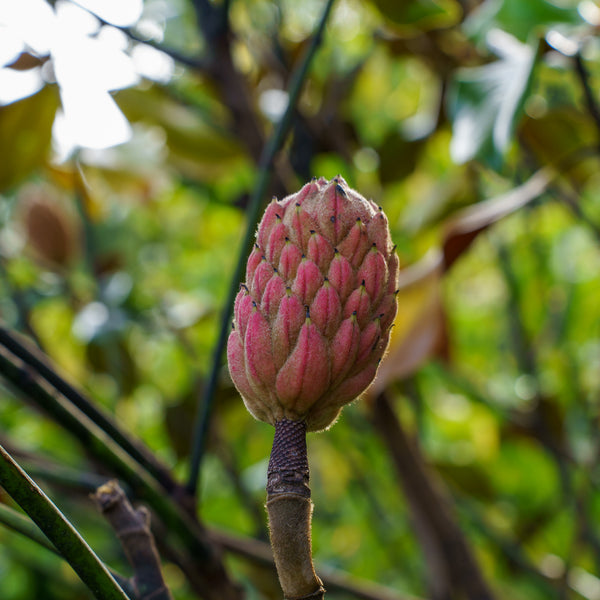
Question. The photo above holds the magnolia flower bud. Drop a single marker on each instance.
(313, 319)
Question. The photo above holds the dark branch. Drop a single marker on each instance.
(97, 444)
(40, 364)
(588, 93)
(453, 568)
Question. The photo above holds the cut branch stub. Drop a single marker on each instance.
(132, 527)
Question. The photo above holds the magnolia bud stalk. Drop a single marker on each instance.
(312, 322)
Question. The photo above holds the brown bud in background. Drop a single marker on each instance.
(51, 230)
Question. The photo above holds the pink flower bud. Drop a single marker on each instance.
(312, 320)
(305, 374)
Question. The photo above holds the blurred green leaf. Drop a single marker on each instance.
(197, 146)
(520, 18)
(560, 134)
(25, 135)
(485, 103)
(422, 15)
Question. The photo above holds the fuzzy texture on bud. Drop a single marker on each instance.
(313, 319)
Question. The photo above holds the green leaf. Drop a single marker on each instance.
(519, 17)
(420, 14)
(485, 103)
(558, 134)
(198, 149)
(25, 135)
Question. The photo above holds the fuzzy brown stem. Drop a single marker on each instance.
(290, 511)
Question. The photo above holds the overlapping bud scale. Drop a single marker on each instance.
(312, 321)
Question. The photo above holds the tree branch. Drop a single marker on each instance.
(136, 449)
(20, 524)
(58, 530)
(453, 569)
(217, 586)
(590, 98)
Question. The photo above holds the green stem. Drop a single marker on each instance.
(14, 520)
(271, 148)
(104, 449)
(58, 530)
(21, 524)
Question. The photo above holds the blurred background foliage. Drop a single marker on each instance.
(116, 254)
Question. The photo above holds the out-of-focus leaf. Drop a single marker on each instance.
(485, 103)
(559, 134)
(420, 329)
(25, 135)
(518, 17)
(197, 149)
(421, 15)
(463, 228)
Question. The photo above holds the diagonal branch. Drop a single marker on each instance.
(18, 523)
(590, 98)
(191, 534)
(136, 449)
(58, 530)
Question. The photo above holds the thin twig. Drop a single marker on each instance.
(265, 166)
(136, 449)
(58, 530)
(193, 62)
(184, 59)
(571, 202)
(132, 527)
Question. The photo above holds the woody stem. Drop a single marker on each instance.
(290, 510)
